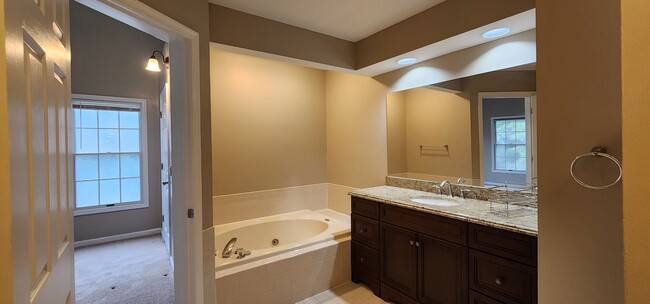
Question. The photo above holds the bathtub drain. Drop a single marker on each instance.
(275, 242)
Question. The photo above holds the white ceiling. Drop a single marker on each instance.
(351, 20)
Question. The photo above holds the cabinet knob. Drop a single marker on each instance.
(362, 259)
(363, 230)
(412, 242)
(417, 244)
(498, 281)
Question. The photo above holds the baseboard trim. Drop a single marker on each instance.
(119, 237)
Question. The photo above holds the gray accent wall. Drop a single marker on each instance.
(108, 58)
(499, 107)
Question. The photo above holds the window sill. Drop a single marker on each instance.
(509, 172)
(106, 209)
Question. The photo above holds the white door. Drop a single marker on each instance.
(36, 140)
(165, 174)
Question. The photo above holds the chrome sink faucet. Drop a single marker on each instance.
(448, 184)
(227, 250)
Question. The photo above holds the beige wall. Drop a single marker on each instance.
(268, 124)
(356, 130)
(636, 110)
(579, 106)
(435, 118)
(396, 132)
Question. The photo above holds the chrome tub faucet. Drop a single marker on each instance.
(227, 250)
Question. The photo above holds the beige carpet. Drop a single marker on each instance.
(134, 271)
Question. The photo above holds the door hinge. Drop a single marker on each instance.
(160, 114)
(162, 166)
(163, 218)
(190, 213)
(170, 170)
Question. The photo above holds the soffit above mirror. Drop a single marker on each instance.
(438, 30)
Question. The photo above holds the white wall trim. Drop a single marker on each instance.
(119, 237)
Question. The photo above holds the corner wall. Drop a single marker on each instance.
(107, 59)
(356, 135)
(396, 132)
(636, 110)
(579, 106)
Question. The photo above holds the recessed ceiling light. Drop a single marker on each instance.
(497, 32)
(407, 60)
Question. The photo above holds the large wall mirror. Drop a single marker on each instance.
(480, 128)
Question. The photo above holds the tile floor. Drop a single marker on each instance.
(343, 294)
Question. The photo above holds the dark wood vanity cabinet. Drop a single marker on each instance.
(407, 256)
(399, 259)
(365, 255)
(417, 262)
(503, 265)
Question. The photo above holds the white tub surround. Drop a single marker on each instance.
(243, 206)
(338, 198)
(313, 255)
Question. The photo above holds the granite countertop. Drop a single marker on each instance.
(468, 210)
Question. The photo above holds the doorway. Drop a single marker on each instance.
(181, 93)
(507, 136)
(117, 159)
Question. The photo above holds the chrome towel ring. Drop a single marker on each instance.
(597, 152)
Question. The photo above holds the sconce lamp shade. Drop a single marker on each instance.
(153, 65)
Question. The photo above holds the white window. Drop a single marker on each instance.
(110, 156)
(509, 148)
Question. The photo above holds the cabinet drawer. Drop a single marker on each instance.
(511, 245)
(366, 231)
(477, 298)
(365, 207)
(437, 226)
(502, 279)
(365, 259)
(391, 295)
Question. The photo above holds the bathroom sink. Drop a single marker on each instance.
(432, 201)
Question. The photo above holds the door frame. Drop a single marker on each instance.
(531, 128)
(186, 137)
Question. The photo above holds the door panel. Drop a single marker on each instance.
(165, 165)
(39, 128)
(443, 271)
(399, 259)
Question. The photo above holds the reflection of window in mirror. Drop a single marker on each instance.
(509, 144)
(507, 138)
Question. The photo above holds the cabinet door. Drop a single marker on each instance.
(399, 259)
(442, 271)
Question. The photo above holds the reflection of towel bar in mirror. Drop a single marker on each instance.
(434, 147)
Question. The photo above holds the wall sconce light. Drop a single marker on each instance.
(153, 64)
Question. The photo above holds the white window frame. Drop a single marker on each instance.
(144, 164)
(494, 144)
